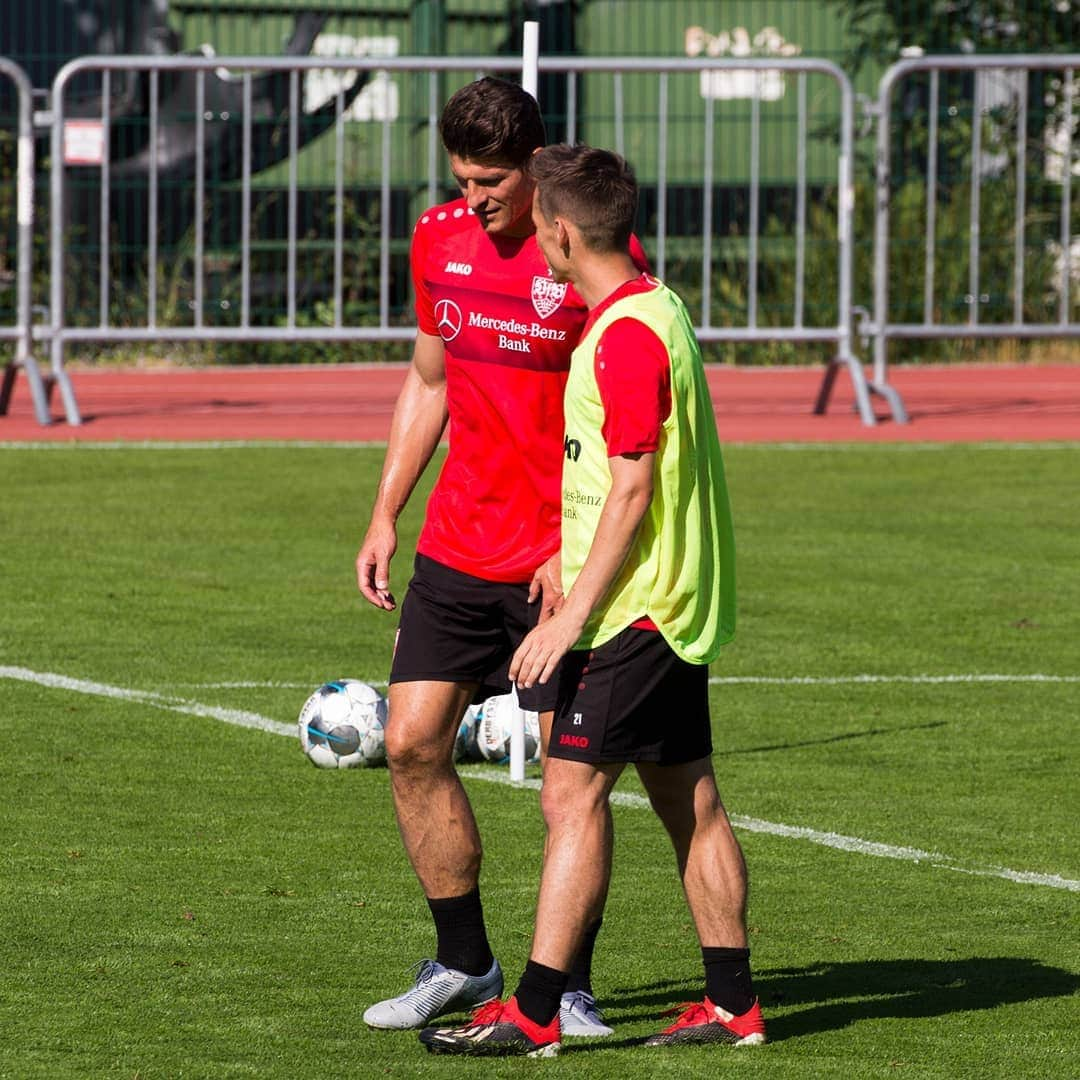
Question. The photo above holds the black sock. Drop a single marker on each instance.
(539, 992)
(581, 972)
(727, 978)
(459, 929)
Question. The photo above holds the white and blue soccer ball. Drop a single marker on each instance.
(342, 725)
(497, 717)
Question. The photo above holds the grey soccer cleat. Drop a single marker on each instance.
(437, 990)
(579, 1015)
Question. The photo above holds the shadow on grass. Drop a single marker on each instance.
(827, 997)
(869, 733)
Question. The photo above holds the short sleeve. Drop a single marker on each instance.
(633, 374)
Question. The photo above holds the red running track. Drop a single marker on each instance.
(968, 403)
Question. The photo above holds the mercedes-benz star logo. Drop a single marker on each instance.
(447, 319)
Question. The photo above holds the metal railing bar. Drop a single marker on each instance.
(339, 203)
(384, 225)
(433, 139)
(152, 201)
(294, 146)
(21, 333)
(382, 333)
(1066, 201)
(1021, 199)
(755, 198)
(800, 200)
(931, 196)
(245, 207)
(571, 107)
(661, 175)
(103, 202)
(200, 190)
(707, 216)
(975, 201)
(619, 109)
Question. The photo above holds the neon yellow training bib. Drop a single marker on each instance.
(681, 569)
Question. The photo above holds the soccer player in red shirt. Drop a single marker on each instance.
(492, 353)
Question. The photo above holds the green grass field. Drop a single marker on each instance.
(185, 897)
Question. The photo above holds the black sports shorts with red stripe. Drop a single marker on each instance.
(631, 699)
(458, 628)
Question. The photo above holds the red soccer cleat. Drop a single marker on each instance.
(496, 1029)
(708, 1023)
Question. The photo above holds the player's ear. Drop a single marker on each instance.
(562, 235)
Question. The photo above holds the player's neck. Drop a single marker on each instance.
(598, 276)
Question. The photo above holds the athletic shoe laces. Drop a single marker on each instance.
(488, 1013)
(425, 970)
(693, 1013)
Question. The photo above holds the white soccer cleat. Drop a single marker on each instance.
(579, 1016)
(437, 990)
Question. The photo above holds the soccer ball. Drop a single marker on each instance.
(341, 725)
(465, 748)
(497, 716)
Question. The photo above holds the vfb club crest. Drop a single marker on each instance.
(547, 295)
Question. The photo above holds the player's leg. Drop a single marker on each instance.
(441, 839)
(446, 638)
(577, 857)
(579, 1013)
(713, 873)
(433, 812)
(709, 857)
(574, 799)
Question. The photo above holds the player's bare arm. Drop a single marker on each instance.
(625, 506)
(419, 421)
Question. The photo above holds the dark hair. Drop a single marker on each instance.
(595, 189)
(492, 121)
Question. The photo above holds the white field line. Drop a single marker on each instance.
(845, 680)
(718, 680)
(239, 717)
(837, 841)
(826, 839)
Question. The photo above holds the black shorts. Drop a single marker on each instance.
(631, 699)
(458, 628)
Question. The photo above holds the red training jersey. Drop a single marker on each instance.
(508, 331)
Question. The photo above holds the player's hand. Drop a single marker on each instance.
(546, 585)
(373, 564)
(539, 654)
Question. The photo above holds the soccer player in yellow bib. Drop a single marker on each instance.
(649, 584)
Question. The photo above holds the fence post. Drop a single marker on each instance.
(56, 246)
(24, 279)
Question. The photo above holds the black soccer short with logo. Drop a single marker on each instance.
(631, 699)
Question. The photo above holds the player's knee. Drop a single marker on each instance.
(409, 751)
(566, 803)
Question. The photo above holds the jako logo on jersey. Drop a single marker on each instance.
(458, 268)
(547, 295)
(580, 741)
(447, 319)
(571, 448)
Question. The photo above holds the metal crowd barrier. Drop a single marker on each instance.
(1008, 106)
(62, 328)
(21, 332)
